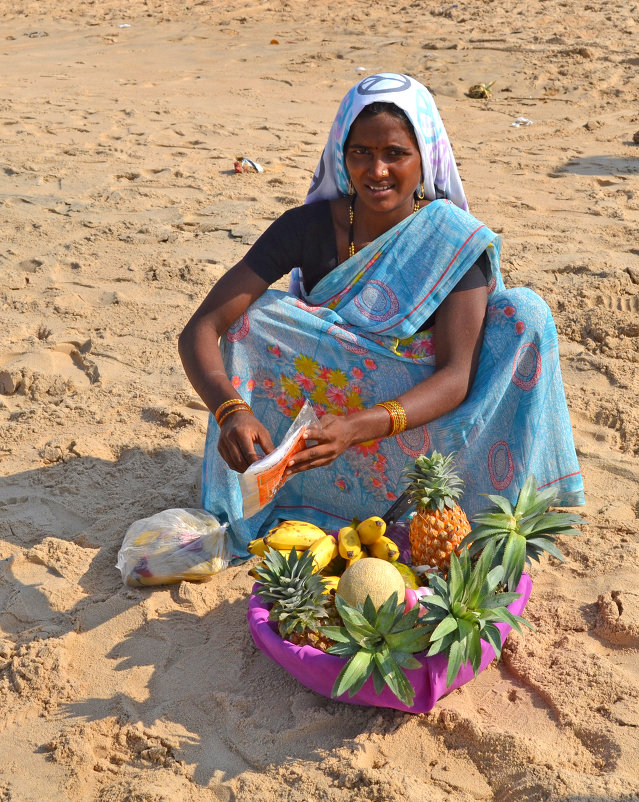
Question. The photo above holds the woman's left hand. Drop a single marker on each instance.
(332, 437)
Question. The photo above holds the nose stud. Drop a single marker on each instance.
(384, 172)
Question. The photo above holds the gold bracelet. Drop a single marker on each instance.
(244, 407)
(397, 415)
(231, 402)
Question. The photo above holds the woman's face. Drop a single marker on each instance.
(383, 162)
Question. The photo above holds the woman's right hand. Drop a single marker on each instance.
(240, 433)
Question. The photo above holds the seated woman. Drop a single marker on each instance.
(395, 299)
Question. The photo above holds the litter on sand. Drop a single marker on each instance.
(520, 122)
(244, 165)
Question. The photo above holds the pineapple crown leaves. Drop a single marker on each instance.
(296, 593)
(379, 643)
(465, 609)
(521, 533)
(433, 483)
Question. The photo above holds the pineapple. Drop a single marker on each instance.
(300, 605)
(520, 533)
(439, 524)
(378, 643)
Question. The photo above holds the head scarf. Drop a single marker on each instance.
(439, 171)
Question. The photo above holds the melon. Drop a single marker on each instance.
(372, 577)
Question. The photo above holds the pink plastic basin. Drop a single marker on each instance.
(318, 671)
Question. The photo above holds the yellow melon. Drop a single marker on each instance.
(372, 577)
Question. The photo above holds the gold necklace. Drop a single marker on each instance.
(351, 219)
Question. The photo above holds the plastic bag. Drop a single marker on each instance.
(261, 480)
(173, 545)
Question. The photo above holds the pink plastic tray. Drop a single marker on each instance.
(318, 670)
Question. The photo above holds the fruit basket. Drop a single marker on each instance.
(366, 633)
(318, 671)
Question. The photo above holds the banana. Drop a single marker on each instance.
(330, 583)
(257, 547)
(293, 534)
(324, 549)
(384, 549)
(348, 542)
(371, 529)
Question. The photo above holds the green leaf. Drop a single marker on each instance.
(369, 611)
(414, 640)
(514, 558)
(501, 502)
(338, 634)
(455, 579)
(395, 677)
(449, 624)
(344, 649)
(354, 674)
(407, 660)
(544, 544)
(474, 650)
(499, 600)
(526, 495)
(492, 636)
(379, 683)
(454, 662)
(386, 614)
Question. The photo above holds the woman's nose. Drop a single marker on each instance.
(379, 168)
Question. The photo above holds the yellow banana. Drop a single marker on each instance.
(384, 549)
(330, 583)
(348, 542)
(257, 547)
(324, 549)
(371, 529)
(293, 534)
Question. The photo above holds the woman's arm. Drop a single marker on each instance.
(458, 338)
(200, 353)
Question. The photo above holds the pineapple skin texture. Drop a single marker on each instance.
(435, 534)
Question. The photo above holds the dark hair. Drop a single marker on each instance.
(382, 107)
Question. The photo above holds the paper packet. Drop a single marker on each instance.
(261, 480)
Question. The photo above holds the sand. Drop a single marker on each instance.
(119, 126)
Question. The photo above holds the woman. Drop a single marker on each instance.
(397, 328)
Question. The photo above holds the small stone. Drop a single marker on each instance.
(635, 137)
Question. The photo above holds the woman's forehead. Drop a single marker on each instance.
(379, 128)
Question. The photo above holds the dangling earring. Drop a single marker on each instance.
(351, 188)
(421, 194)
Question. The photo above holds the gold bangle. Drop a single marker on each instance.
(231, 402)
(397, 415)
(244, 407)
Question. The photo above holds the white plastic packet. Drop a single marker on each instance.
(261, 480)
(173, 545)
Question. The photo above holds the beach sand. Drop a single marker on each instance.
(119, 205)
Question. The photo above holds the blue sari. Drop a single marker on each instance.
(357, 338)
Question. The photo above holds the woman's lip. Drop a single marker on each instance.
(379, 189)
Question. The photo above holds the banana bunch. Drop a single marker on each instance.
(330, 555)
(301, 536)
(366, 539)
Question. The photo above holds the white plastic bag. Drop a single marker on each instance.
(261, 480)
(173, 545)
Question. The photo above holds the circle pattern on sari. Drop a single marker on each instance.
(527, 366)
(377, 301)
(239, 329)
(414, 441)
(347, 340)
(500, 465)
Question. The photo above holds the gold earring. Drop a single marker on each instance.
(351, 188)
(421, 194)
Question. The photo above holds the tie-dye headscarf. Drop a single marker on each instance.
(439, 171)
